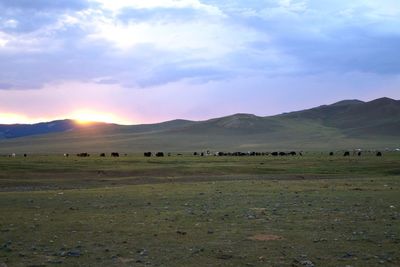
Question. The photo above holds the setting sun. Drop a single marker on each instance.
(90, 116)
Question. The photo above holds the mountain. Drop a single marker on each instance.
(9, 131)
(19, 130)
(345, 124)
(347, 102)
(356, 118)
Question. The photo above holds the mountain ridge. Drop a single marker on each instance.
(349, 122)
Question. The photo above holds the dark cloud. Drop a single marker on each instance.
(174, 72)
(42, 5)
(328, 43)
(26, 21)
(29, 16)
(345, 50)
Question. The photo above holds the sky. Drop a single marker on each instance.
(145, 61)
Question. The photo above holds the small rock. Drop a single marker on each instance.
(348, 255)
(142, 252)
(6, 247)
(74, 253)
(224, 257)
(303, 262)
(307, 263)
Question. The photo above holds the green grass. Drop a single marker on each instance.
(74, 172)
(200, 211)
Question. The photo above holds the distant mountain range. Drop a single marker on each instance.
(345, 124)
(20, 130)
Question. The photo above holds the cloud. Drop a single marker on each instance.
(214, 47)
(101, 45)
(5, 86)
(44, 4)
(118, 5)
(106, 81)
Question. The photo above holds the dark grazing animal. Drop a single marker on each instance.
(160, 154)
(282, 154)
(274, 154)
(379, 154)
(293, 153)
(147, 154)
(195, 153)
(25, 155)
(83, 155)
(103, 155)
(359, 153)
(115, 154)
(331, 154)
(346, 154)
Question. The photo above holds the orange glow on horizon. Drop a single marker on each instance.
(15, 118)
(12, 118)
(86, 117)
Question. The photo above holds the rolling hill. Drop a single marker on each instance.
(342, 125)
(20, 130)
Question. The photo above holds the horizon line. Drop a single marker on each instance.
(158, 122)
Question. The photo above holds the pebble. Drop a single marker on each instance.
(348, 255)
(74, 253)
(303, 262)
(224, 257)
(307, 263)
(142, 252)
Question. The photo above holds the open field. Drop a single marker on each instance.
(313, 210)
(55, 171)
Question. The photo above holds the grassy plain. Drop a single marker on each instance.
(200, 211)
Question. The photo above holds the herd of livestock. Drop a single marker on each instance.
(220, 154)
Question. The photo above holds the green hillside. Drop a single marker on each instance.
(344, 125)
(356, 118)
